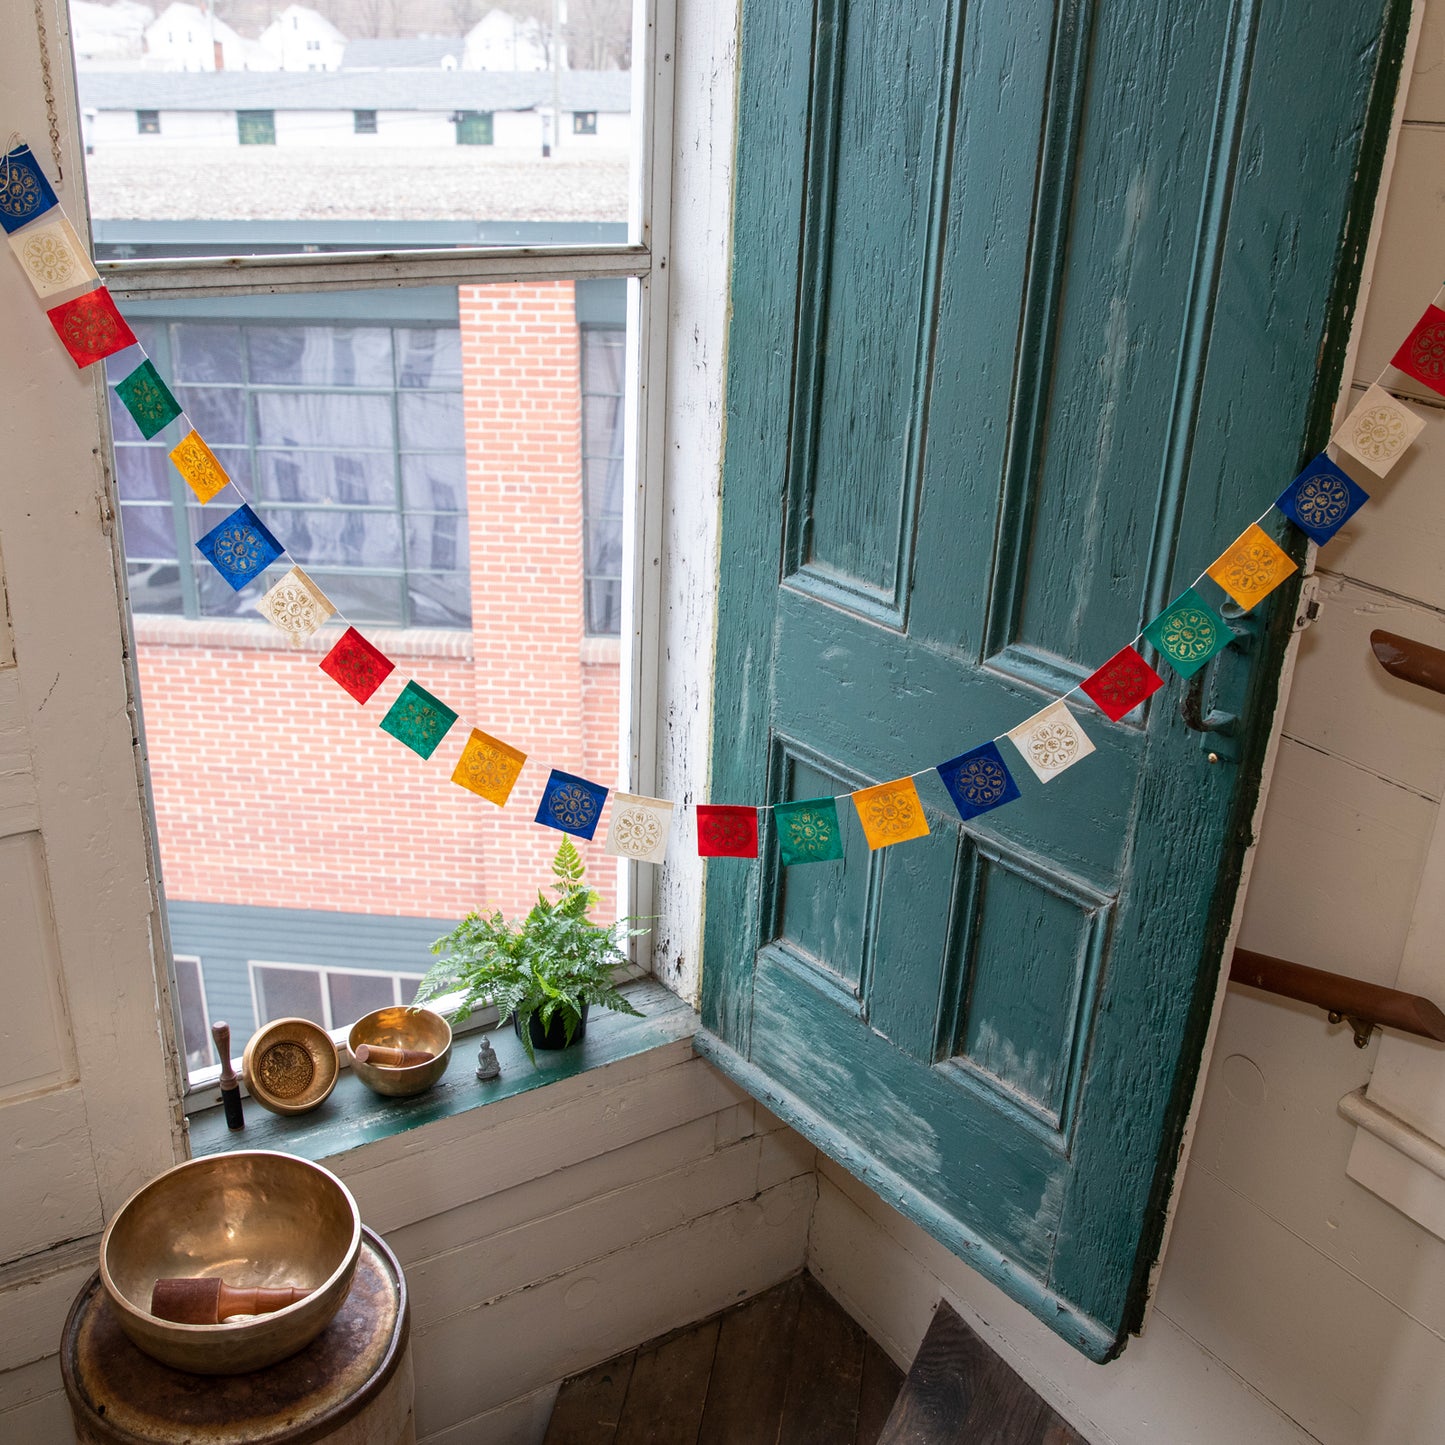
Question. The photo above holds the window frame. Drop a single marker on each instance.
(194, 958)
(584, 122)
(363, 122)
(323, 974)
(643, 259)
(147, 122)
(250, 124)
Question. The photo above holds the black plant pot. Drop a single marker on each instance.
(554, 1036)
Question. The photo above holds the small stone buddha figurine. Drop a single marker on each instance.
(487, 1065)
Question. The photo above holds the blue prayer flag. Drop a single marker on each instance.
(24, 191)
(240, 548)
(572, 804)
(978, 781)
(1321, 499)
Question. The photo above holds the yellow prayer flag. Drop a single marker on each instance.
(197, 463)
(488, 767)
(890, 813)
(1252, 567)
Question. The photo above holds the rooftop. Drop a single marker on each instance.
(421, 53)
(446, 90)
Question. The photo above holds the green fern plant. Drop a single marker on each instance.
(549, 965)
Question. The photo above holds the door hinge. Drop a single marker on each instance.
(1307, 608)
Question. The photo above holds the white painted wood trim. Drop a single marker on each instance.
(1395, 1132)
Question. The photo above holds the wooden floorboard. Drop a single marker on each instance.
(882, 1380)
(958, 1390)
(749, 1378)
(820, 1406)
(589, 1406)
(668, 1389)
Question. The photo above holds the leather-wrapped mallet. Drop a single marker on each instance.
(197, 1301)
(380, 1056)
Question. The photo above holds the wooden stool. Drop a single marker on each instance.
(352, 1385)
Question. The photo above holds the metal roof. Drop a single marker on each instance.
(421, 53)
(440, 90)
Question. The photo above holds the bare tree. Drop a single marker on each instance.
(599, 34)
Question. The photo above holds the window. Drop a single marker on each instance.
(256, 127)
(363, 122)
(195, 1017)
(313, 45)
(332, 997)
(148, 122)
(584, 122)
(348, 439)
(474, 128)
(603, 413)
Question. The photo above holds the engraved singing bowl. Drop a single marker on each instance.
(402, 1028)
(251, 1218)
(290, 1065)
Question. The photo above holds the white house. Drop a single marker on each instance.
(109, 36)
(357, 108)
(423, 52)
(185, 37)
(499, 41)
(303, 39)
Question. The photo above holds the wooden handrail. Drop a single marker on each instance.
(1363, 1005)
(1409, 660)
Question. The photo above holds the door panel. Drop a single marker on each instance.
(1035, 308)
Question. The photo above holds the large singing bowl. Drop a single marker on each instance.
(252, 1218)
(402, 1028)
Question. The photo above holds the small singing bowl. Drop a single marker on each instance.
(251, 1218)
(402, 1028)
(290, 1065)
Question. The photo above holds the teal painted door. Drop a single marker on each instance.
(1035, 307)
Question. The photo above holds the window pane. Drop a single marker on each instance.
(287, 993)
(441, 600)
(437, 543)
(301, 418)
(148, 532)
(366, 539)
(604, 608)
(195, 1026)
(207, 353)
(356, 994)
(365, 599)
(217, 412)
(431, 419)
(604, 350)
(154, 587)
(142, 472)
(435, 483)
(320, 355)
(122, 428)
(429, 357)
(343, 478)
(602, 477)
(602, 418)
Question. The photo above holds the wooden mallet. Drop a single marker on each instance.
(197, 1301)
(379, 1056)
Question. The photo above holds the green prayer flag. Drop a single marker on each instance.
(148, 399)
(418, 719)
(808, 831)
(1188, 633)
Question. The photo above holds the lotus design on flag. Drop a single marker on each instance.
(486, 767)
(1189, 633)
(1380, 432)
(1253, 567)
(572, 805)
(724, 831)
(21, 193)
(1053, 745)
(1322, 500)
(892, 814)
(1427, 351)
(50, 260)
(91, 330)
(240, 549)
(637, 832)
(809, 832)
(982, 782)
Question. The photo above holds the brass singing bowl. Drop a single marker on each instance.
(290, 1065)
(402, 1028)
(253, 1218)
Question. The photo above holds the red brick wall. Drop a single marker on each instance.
(274, 788)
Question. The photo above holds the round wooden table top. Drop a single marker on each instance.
(117, 1394)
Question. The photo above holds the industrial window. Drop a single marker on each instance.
(256, 127)
(474, 128)
(332, 997)
(194, 1015)
(148, 122)
(584, 122)
(363, 122)
(349, 440)
(603, 354)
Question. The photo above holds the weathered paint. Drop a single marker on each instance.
(1032, 306)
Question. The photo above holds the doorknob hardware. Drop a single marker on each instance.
(1364, 1006)
(1217, 727)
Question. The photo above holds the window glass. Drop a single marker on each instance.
(603, 416)
(353, 995)
(196, 1040)
(287, 993)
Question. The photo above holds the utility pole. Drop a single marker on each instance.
(556, 76)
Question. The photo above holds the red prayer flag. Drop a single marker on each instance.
(1122, 683)
(90, 328)
(357, 665)
(726, 832)
(1423, 353)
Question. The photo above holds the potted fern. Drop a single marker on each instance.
(543, 972)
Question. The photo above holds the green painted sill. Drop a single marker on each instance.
(354, 1116)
